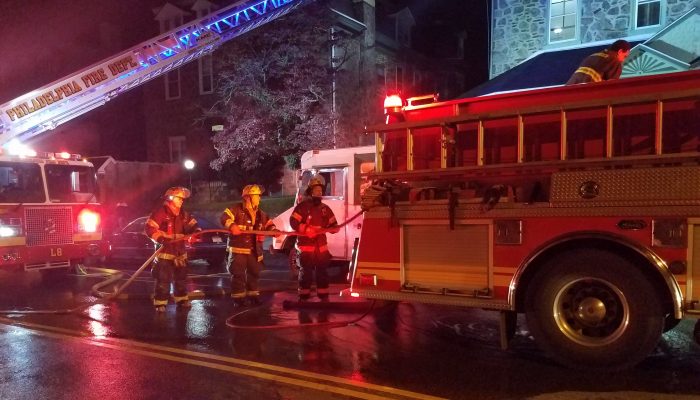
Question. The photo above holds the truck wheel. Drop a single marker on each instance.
(594, 309)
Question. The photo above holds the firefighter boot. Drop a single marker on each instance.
(238, 301)
(254, 301)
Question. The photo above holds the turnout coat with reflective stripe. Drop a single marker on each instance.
(308, 214)
(163, 226)
(601, 66)
(246, 220)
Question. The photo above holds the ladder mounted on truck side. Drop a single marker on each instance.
(78, 93)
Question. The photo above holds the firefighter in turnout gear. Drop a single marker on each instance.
(309, 218)
(246, 249)
(602, 66)
(166, 224)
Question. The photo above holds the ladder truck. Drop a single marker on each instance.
(49, 214)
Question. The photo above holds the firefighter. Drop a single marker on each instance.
(602, 66)
(309, 218)
(246, 250)
(166, 224)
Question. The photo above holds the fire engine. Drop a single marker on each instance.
(578, 206)
(49, 217)
(344, 173)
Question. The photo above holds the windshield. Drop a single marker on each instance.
(70, 183)
(20, 183)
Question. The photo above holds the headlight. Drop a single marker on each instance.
(6, 231)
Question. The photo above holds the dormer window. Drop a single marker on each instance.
(648, 13)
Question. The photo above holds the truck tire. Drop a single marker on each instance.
(593, 309)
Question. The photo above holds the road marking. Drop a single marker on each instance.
(253, 369)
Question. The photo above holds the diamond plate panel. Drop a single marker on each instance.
(636, 185)
(49, 226)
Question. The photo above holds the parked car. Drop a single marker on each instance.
(131, 243)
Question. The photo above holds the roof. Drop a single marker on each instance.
(546, 69)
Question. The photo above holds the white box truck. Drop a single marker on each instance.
(342, 171)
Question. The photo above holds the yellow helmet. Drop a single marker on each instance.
(178, 191)
(315, 181)
(252, 189)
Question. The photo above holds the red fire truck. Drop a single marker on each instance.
(577, 206)
(49, 216)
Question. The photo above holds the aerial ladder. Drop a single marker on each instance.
(71, 96)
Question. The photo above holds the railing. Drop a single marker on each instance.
(646, 116)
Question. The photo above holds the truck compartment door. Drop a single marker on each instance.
(437, 259)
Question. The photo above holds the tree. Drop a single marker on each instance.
(274, 90)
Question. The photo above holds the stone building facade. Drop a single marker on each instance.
(522, 28)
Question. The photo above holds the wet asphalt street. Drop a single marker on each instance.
(124, 350)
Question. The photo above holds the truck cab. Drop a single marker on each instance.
(343, 171)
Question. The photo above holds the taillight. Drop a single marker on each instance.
(88, 221)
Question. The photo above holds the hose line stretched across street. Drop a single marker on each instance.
(115, 276)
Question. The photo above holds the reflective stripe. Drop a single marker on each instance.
(230, 214)
(192, 222)
(228, 223)
(160, 302)
(180, 298)
(152, 223)
(253, 293)
(242, 227)
(312, 248)
(167, 256)
(595, 76)
(239, 250)
(238, 295)
(156, 235)
(260, 258)
(296, 216)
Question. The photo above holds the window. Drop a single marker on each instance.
(563, 15)
(648, 13)
(70, 183)
(177, 148)
(172, 85)
(206, 75)
(333, 179)
(20, 183)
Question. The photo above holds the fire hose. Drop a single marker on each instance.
(116, 276)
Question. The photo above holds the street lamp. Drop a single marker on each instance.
(189, 166)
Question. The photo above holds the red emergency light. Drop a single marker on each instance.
(393, 106)
(88, 221)
(392, 103)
